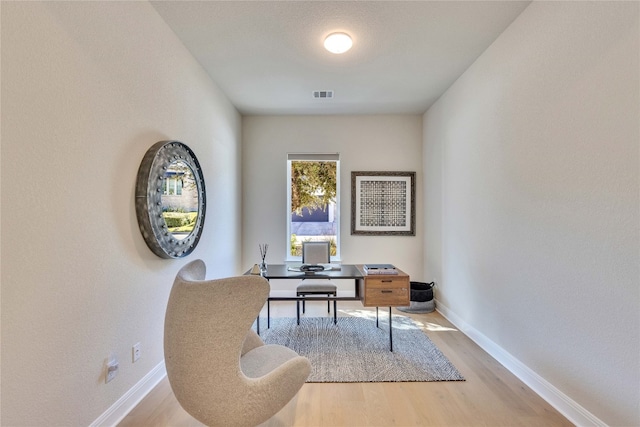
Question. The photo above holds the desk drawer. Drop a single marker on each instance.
(375, 297)
(387, 282)
(386, 291)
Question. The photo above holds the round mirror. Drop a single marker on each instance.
(170, 199)
(179, 200)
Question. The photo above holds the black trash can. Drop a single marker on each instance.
(421, 299)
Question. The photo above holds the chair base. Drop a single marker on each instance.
(304, 294)
(315, 288)
(310, 289)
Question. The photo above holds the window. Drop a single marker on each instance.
(172, 187)
(313, 202)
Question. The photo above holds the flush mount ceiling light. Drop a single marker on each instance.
(338, 42)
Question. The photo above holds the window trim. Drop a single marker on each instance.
(318, 157)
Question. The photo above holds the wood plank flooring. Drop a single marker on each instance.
(490, 396)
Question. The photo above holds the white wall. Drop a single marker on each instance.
(365, 143)
(531, 166)
(87, 88)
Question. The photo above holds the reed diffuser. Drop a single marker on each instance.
(263, 254)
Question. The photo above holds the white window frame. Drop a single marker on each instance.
(172, 184)
(313, 157)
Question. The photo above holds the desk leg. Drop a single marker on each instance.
(268, 314)
(390, 332)
(390, 328)
(258, 324)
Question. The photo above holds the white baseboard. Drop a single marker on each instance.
(120, 409)
(563, 403)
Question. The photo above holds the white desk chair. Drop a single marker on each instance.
(316, 253)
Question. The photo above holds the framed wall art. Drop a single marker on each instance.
(383, 203)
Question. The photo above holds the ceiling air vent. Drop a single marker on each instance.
(322, 94)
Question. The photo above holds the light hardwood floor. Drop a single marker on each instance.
(490, 396)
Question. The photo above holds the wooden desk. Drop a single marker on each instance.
(372, 290)
(381, 290)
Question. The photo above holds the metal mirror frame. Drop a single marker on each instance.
(149, 191)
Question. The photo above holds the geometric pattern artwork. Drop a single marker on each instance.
(383, 203)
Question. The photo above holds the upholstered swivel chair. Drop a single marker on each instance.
(316, 253)
(218, 367)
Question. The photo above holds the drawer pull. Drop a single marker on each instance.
(386, 291)
(387, 281)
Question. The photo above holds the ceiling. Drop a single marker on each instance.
(268, 57)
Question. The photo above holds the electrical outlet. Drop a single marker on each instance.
(136, 351)
(112, 369)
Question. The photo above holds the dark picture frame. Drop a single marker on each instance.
(383, 203)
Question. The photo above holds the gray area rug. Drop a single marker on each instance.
(355, 350)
